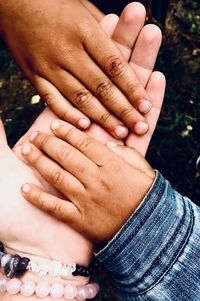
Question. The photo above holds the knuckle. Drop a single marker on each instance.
(85, 144)
(82, 98)
(49, 99)
(105, 118)
(65, 115)
(39, 197)
(116, 66)
(103, 88)
(56, 177)
(126, 112)
(43, 140)
(35, 159)
(70, 133)
(57, 209)
(63, 153)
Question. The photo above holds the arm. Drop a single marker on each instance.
(154, 256)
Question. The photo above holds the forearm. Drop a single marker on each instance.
(154, 255)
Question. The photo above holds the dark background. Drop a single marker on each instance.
(175, 146)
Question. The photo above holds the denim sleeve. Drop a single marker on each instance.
(156, 254)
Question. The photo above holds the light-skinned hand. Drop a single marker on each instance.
(69, 59)
(16, 212)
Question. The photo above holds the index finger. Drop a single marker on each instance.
(92, 149)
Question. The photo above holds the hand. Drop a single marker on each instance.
(17, 212)
(134, 46)
(66, 55)
(96, 183)
(21, 222)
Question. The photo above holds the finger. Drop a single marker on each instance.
(156, 91)
(42, 123)
(128, 28)
(97, 14)
(3, 139)
(59, 104)
(131, 156)
(108, 57)
(113, 99)
(145, 52)
(64, 154)
(51, 171)
(85, 100)
(60, 209)
(109, 23)
(91, 148)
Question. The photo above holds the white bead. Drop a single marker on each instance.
(57, 291)
(42, 290)
(5, 259)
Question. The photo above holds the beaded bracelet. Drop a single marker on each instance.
(17, 266)
(42, 290)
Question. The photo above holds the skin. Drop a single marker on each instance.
(52, 41)
(22, 239)
(79, 166)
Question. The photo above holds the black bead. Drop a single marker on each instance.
(75, 273)
(8, 269)
(17, 259)
(1, 247)
(22, 265)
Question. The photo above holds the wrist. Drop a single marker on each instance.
(44, 282)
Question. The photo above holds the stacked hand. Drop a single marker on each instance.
(71, 61)
(74, 212)
(16, 211)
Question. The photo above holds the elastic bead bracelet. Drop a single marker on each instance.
(42, 290)
(17, 266)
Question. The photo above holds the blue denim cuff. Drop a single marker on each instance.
(147, 246)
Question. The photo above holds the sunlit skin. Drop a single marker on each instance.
(70, 60)
(22, 239)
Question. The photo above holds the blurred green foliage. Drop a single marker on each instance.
(176, 142)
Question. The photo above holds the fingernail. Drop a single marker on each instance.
(121, 131)
(141, 128)
(26, 149)
(111, 144)
(55, 125)
(33, 136)
(26, 188)
(84, 123)
(145, 106)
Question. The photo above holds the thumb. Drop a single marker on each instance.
(131, 156)
(3, 139)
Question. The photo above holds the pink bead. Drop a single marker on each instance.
(3, 282)
(42, 290)
(96, 286)
(28, 288)
(70, 292)
(57, 291)
(13, 286)
(91, 291)
(82, 293)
